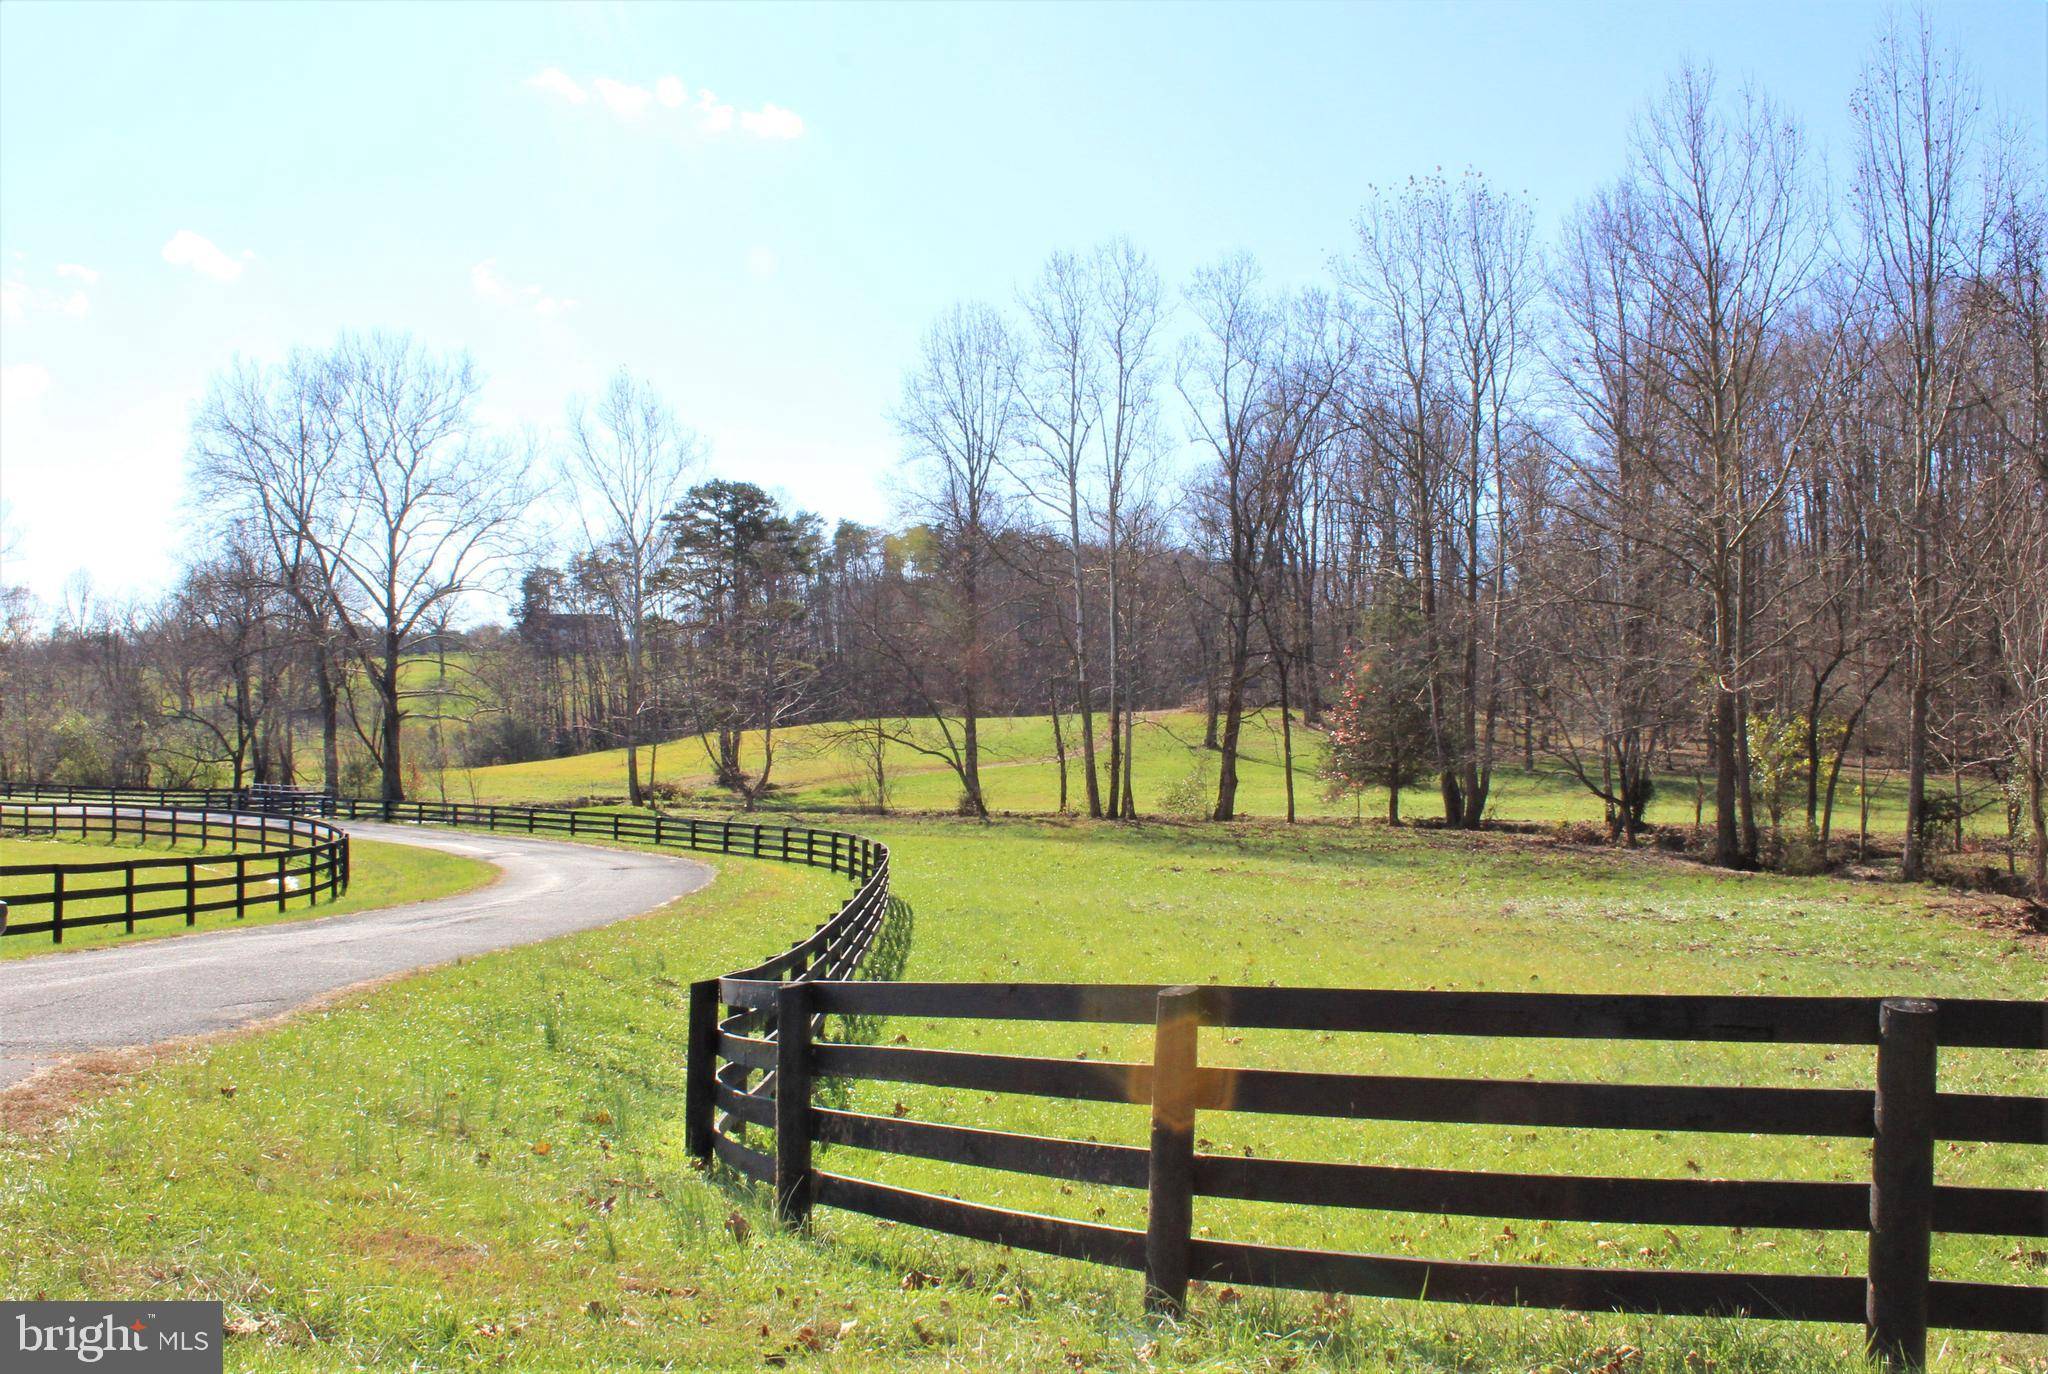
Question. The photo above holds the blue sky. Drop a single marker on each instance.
(179, 185)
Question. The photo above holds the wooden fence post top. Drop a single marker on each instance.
(793, 1185)
(1170, 1166)
(1902, 1182)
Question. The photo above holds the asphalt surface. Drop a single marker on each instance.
(58, 1005)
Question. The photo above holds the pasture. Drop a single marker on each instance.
(483, 1167)
(817, 767)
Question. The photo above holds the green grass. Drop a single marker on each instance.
(482, 1167)
(1021, 776)
(380, 875)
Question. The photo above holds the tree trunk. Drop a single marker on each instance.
(1059, 744)
(1286, 740)
(970, 756)
(1233, 709)
(330, 719)
(387, 692)
(1130, 811)
(1113, 802)
(1727, 835)
(1082, 691)
(1913, 861)
(2037, 795)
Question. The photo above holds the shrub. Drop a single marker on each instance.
(1191, 797)
(1802, 853)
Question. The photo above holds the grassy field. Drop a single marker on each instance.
(1021, 776)
(482, 1167)
(380, 875)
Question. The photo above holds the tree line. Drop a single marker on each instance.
(1742, 466)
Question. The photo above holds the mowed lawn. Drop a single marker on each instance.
(482, 1167)
(380, 875)
(815, 768)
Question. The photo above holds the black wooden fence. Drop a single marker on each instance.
(757, 1047)
(271, 862)
(776, 1034)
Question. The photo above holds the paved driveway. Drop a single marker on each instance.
(61, 1004)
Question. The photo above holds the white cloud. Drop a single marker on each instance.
(713, 117)
(761, 261)
(626, 101)
(772, 121)
(73, 270)
(20, 298)
(701, 110)
(558, 83)
(490, 285)
(202, 255)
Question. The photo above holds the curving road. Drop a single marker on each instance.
(63, 1004)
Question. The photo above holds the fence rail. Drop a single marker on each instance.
(1904, 1115)
(757, 1048)
(270, 861)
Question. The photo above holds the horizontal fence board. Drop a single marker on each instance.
(1991, 1211)
(1078, 1161)
(1111, 1003)
(1539, 1197)
(1496, 1102)
(751, 1108)
(1990, 1117)
(755, 994)
(1019, 1230)
(755, 1054)
(2010, 1307)
(753, 1163)
(1794, 1297)
(254, 861)
(1088, 1080)
(1981, 1022)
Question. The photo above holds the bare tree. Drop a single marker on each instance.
(959, 416)
(1128, 325)
(420, 515)
(267, 464)
(1060, 391)
(627, 463)
(1728, 237)
(1925, 204)
(1224, 377)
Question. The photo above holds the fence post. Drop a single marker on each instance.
(1902, 1183)
(700, 1072)
(128, 899)
(191, 891)
(793, 1103)
(282, 861)
(57, 908)
(1170, 1203)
